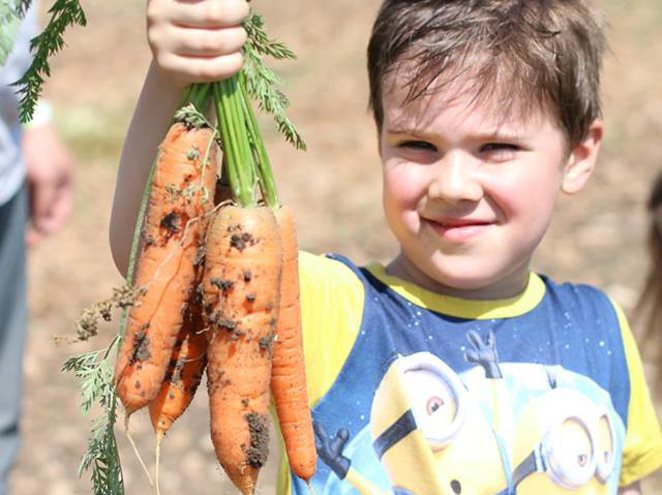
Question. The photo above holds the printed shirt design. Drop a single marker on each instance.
(535, 401)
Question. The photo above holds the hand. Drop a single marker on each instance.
(484, 353)
(330, 449)
(197, 40)
(49, 168)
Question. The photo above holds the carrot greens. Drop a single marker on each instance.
(63, 14)
(246, 169)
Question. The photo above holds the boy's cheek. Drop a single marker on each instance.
(403, 180)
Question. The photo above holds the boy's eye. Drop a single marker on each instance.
(417, 145)
(499, 151)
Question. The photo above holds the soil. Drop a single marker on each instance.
(598, 237)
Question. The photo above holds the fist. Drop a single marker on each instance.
(196, 41)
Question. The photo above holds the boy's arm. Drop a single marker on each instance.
(190, 42)
(156, 106)
(633, 489)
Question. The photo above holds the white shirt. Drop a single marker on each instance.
(12, 167)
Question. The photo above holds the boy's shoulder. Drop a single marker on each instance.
(574, 297)
(572, 289)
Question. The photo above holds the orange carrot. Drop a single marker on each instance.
(184, 374)
(241, 286)
(181, 194)
(185, 370)
(288, 377)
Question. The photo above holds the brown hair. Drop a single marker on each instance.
(650, 303)
(532, 54)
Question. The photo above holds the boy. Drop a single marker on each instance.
(453, 369)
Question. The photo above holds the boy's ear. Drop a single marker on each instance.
(582, 159)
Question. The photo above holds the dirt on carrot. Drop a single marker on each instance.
(181, 196)
(241, 301)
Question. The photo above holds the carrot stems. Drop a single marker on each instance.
(261, 157)
(245, 154)
(236, 147)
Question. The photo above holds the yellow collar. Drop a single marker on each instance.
(464, 308)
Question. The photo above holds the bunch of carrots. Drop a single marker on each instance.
(216, 289)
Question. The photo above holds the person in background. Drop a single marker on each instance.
(35, 200)
(649, 308)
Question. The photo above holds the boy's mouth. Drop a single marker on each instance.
(457, 229)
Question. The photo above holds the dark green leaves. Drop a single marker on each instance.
(262, 82)
(64, 13)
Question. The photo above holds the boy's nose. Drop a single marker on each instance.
(454, 178)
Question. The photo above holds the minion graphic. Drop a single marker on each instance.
(496, 429)
(428, 432)
(565, 443)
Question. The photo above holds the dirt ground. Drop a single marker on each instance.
(598, 236)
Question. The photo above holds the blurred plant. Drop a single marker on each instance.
(63, 13)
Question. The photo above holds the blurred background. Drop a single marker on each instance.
(598, 236)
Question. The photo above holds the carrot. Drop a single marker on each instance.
(181, 194)
(241, 285)
(184, 374)
(185, 371)
(288, 379)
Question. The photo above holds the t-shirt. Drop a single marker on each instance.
(12, 168)
(413, 392)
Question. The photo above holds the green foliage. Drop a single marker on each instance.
(64, 13)
(262, 82)
(94, 371)
(103, 458)
(11, 13)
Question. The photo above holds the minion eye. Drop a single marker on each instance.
(434, 404)
(570, 453)
(436, 397)
(606, 441)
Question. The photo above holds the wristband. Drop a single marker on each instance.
(43, 115)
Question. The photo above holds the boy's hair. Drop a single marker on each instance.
(650, 302)
(531, 54)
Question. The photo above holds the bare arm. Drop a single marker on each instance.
(191, 42)
(633, 489)
(156, 106)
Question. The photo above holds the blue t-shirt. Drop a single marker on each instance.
(417, 393)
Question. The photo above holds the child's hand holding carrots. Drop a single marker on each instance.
(197, 41)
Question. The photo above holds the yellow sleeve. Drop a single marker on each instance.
(642, 453)
(331, 312)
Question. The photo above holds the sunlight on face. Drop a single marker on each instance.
(468, 191)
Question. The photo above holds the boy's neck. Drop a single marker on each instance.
(505, 288)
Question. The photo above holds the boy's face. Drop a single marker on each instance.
(467, 192)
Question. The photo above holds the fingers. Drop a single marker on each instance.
(49, 168)
(201, 55)
(475, 339)
(50, 204)
(194, 42)
(471, 356)
(197, 40)
(199, 13)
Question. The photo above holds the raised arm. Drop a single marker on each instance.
(190, 42)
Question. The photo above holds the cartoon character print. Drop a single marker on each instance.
(525, 428)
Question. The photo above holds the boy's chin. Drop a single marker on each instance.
(450, 277)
